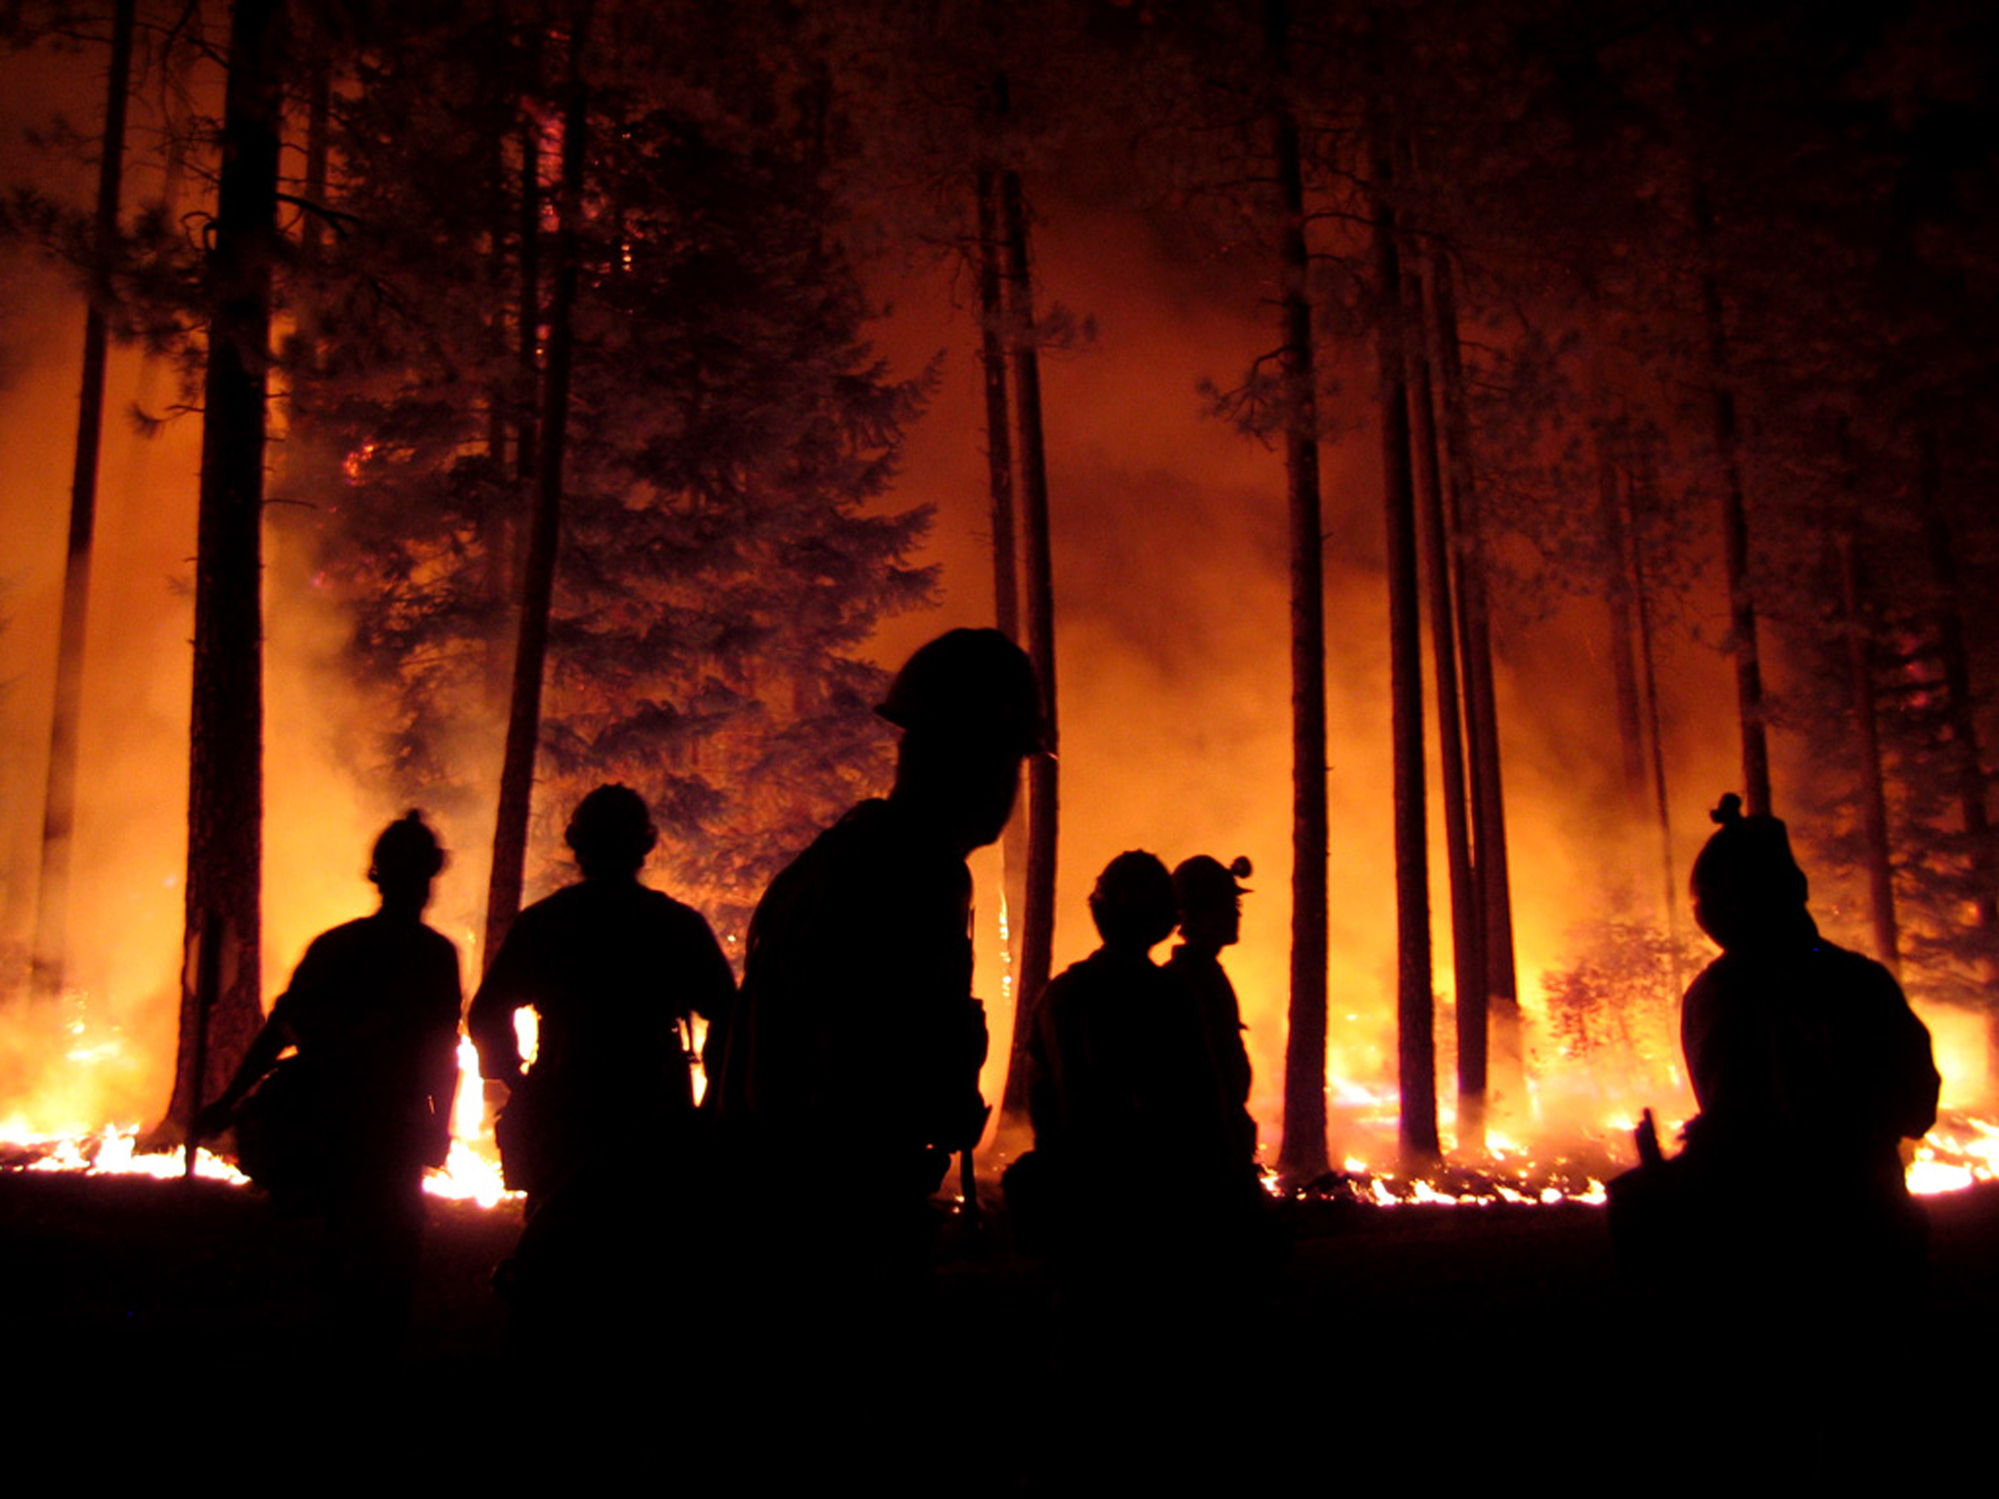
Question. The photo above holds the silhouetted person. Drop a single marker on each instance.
(1209, 896)
(601, 1129)
(853, 1068)
(613, 971)
(1134, 1155)
(1810, 1070)
(365, 1106)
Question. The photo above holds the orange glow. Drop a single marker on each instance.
(1173, 698)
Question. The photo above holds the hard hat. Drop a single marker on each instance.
(974, 684)
(1748, 861)
(407, 849)
(1134, 894)
(1202, 881)
(612, 825)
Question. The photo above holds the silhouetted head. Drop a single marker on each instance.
(1745, 882)
(405, 860)
(1210, 900)
(611, 832)
(1133, 902)
(970, 711)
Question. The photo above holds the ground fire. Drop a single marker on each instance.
(1438, 481)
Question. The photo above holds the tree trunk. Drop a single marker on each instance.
(1641, 601)
(1467, 946)
(226, 731)
(1038, 916)
(506, 564)
(1006, 592)
(1734, 526)
(1617, 601)
(1505, 1074)
(1971, 779)
(527, 328)
(50, 950)
(1416, 1053)
(1856, 628)
(510, 829)
(1301, 1153)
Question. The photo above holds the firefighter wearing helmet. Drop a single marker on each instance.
(615, 972)
(345, 1128)
(1209, 896)
(1121, 1089)
(853, 1067)
(1810, 1069)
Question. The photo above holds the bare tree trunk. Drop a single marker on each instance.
(318, 150)
(527, 329)
(1467, 945)
(510, 829)
(1301, 1153)
(1416, 1051)
(1505, 1076)
(496, 278)
(1649, 683)
(1855, 625)
(1734, 526)
(505, 560)
(59, 799)
(993, 340)
(1037, 943)
(1971, 778)
(1617, 600)
(226, 732)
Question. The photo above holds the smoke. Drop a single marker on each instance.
(1172, 590)
(1173, 668)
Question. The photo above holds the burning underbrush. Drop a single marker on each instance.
(1961, 1151)
(1574, 1142)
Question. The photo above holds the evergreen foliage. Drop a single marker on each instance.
(722, 552)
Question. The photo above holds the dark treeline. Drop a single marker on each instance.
(1662, 306)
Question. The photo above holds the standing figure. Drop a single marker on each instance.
(601, 1130)
(853, 1067)
(613, 971)
(1120, 1083)
(348, 1126)
(1810, 1070)
(1209, 896)
(1139, 1201)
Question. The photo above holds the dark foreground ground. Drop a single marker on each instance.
(1506, 1322)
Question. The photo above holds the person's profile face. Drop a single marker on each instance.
(991, 787)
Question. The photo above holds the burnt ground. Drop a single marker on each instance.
(1512, 1315)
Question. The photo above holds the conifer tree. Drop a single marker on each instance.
(722, 554)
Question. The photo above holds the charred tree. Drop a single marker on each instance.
(1302, 1151)
(1742, 634)
(517, 410)
(1038, 914)
(1467, 945)
(1973, 811)
(1856, 632)
(510, 828)
(527, 315)
(1416, 1052)
(1499, 1002)
(59, 799)
(1641, 604)
(226, 731)
(1006, 582)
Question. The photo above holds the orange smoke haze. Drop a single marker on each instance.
(1173, 666)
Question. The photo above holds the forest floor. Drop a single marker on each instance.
(1424, 1310)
